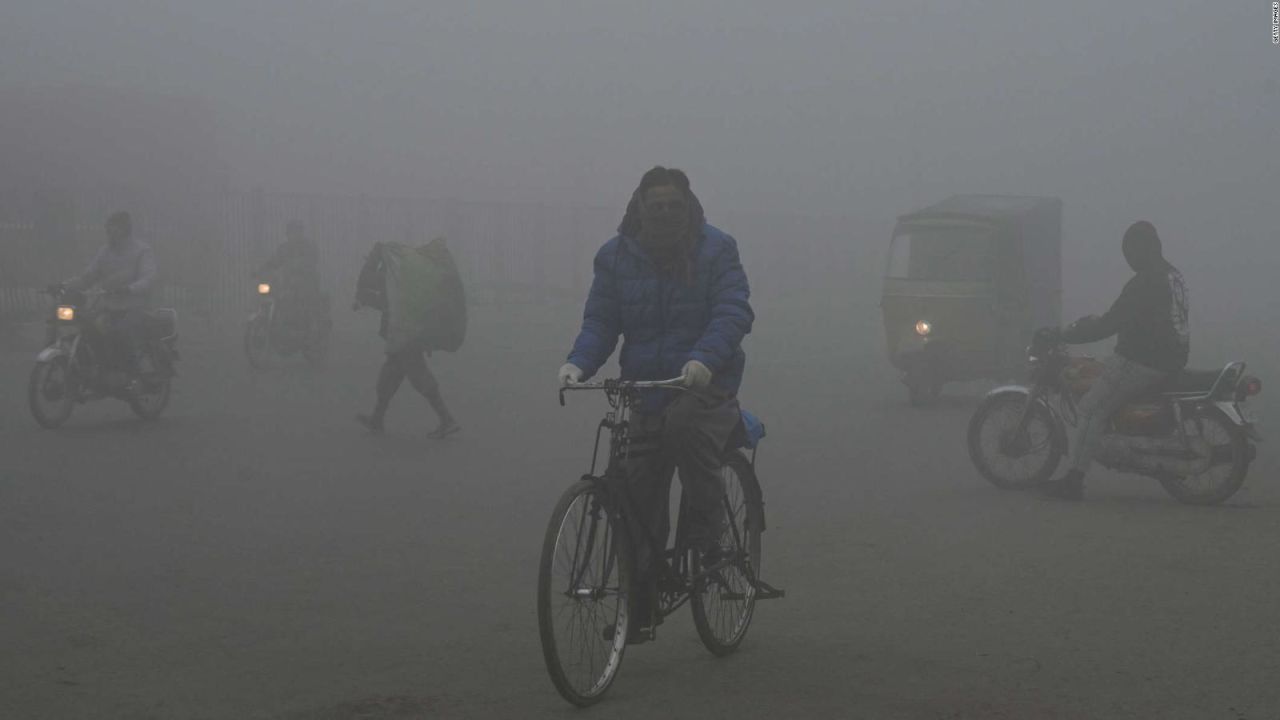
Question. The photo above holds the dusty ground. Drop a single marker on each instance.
(254, 555)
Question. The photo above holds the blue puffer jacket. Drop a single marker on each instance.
(663, 322)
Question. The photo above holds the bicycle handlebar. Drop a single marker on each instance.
(614, 385)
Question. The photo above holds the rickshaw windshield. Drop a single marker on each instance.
(943, 253)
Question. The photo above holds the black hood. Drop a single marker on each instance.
(1142, 248)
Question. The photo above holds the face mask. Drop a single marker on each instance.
(667, 221)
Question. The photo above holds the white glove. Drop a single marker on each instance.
(695, 374)
(569, 374)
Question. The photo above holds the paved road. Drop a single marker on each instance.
(254, 555)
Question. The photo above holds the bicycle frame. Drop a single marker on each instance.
(675, 579)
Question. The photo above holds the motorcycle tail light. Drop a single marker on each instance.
(1247, 387)
(66, 313)
(264, 289)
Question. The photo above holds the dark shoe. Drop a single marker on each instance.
(370, 423)
(444, 430)
(713, 555)
(1068, 487)
(707, 544)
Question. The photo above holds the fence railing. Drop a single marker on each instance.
(505, 251)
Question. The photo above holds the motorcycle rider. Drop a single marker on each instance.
(125, 268)
(294, 271)
(673, 287)
(1151, 319)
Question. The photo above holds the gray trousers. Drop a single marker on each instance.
(690, 435)
(1122, 382)
(126, 332)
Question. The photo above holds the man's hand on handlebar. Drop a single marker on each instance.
(695, 374)
(569, 374)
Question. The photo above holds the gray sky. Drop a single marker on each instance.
(1159, 109)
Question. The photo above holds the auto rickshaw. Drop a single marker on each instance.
(967, 283)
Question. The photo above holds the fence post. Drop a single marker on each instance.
(257, 222)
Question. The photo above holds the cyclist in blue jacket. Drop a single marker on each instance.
(672, 286)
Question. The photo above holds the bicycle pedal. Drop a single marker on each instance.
(765, 591)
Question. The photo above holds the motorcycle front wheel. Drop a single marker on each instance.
(257, 341)
(1012, 457)
(51, 392)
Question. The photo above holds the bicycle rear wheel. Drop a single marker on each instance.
(724, 603)
(584, 584)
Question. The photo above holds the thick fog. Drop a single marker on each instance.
(254, 537)
(1136, 110)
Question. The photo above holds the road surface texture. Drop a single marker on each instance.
(256, 555)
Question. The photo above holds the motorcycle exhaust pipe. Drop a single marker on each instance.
(1162, 455)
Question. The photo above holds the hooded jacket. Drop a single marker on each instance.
(665, 322)
(127, 270)
(1150, 316)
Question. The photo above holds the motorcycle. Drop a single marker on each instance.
(1195, 435)
(270, 331)
(74, 368)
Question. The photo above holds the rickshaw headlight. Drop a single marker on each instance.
(923, 328)
(264, 288)
(66, 313)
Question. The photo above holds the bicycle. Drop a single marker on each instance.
(587, 567)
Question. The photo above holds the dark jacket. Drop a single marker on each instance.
(127, 268)
(664, 322)
(1150, 317)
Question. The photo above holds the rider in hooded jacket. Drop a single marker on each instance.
(672, 286)
(1151, 319)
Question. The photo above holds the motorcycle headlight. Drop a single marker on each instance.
(264, 288)
(66, 313)
(923, 328)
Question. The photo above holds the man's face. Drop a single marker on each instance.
(117, 232)
(665, 200)
(665, 216)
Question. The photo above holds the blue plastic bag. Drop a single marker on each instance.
(753, 430)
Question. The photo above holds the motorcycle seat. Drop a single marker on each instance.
(162, 323)
(1188, 382)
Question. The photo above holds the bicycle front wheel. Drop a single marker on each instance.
(724, 602)
(584, 584)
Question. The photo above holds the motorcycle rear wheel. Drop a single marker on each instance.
(51, 382)
(316, 353)
(1222, 479)
(149, 404)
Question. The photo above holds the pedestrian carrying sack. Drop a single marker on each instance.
(425, 300)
